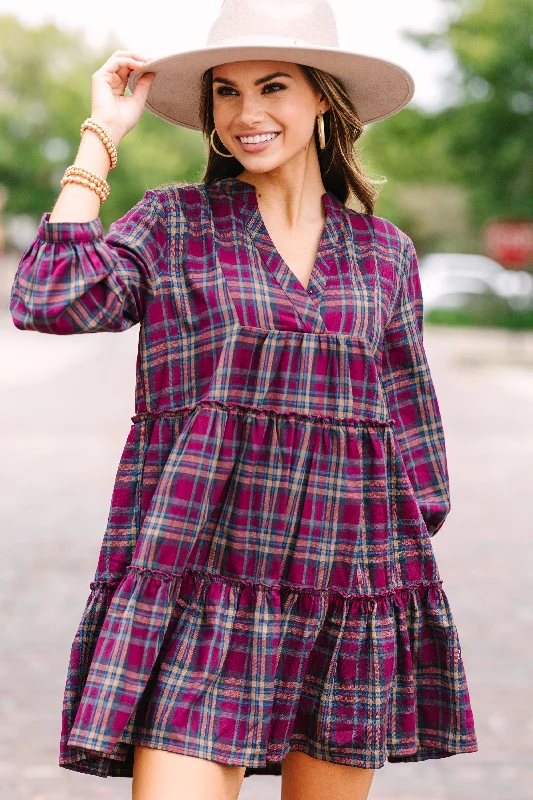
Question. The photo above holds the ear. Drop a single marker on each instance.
(324, 104)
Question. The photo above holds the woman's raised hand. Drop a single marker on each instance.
(110, 106)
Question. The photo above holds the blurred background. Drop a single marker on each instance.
(458, 163)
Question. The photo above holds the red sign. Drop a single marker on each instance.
(510, 242)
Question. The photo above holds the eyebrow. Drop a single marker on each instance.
(258, 82)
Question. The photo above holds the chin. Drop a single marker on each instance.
(263, 165)
(259, 169)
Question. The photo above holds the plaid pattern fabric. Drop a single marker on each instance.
(266, 581)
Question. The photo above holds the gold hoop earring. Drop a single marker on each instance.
(321, 130)
(224, 155)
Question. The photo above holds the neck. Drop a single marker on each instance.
(293, 190)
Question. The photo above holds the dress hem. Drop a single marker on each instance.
(99, 729)
(123, 767)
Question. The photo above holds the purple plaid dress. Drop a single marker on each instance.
(266, 580)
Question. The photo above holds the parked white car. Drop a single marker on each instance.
(451, 280)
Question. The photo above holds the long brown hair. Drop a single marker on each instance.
(341, 171)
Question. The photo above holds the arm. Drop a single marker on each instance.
(411, 395)
(73, 279)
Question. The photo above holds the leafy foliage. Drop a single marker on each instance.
(45, 94)
(484, 142)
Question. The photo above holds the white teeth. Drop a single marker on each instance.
(264, 137)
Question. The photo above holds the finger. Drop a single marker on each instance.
(124, 70)
(114, 61)
(142, 87)
(137, 57)
(122, 60)
(122, 65)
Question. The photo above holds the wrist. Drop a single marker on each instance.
(105, 135)
(111, 129)
(93, 154)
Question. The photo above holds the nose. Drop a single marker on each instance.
(250, 111)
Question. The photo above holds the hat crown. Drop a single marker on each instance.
(301, 21)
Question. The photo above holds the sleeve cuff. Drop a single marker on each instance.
(69, 231)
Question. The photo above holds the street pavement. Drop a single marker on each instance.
(66, 404)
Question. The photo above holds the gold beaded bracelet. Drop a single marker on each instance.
(76, 169)
(85, 177)
(95, 126)
(87, 173)
(83, 182)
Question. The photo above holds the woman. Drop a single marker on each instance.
(267, 598)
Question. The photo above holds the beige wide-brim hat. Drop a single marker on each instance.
(299, 31)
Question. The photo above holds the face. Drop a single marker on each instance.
(253, 98)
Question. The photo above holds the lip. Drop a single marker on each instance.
(256, 147)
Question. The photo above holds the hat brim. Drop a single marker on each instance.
(378, 88)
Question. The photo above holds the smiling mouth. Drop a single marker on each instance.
(259, 138)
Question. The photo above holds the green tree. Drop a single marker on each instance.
(482, 144)
(45, 94)
(410, 150)
(492, 130)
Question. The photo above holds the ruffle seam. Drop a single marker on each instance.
(265, 411)
(214, 576)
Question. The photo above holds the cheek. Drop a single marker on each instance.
(299, 125)
(220, 114)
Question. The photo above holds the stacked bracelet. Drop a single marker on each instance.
(84, 177)
(95, 126)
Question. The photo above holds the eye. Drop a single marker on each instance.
(271, 85)
(223, 90)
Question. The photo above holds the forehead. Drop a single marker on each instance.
(249, 71)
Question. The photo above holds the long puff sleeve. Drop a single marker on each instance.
(73, 279)
(411, 395)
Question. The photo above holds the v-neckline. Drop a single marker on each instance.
(245, 195)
